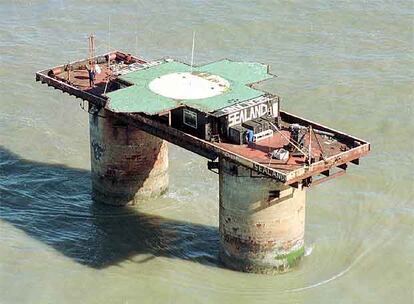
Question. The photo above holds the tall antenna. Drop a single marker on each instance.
(136, 30)
(136, 41)
(109, 41)
(109, 33)
(310, 145)
(109, 53)
(192, 53)
(91, 47)
(136, 45)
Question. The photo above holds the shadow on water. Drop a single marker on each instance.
(52, 203)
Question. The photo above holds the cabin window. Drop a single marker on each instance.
(190, 118)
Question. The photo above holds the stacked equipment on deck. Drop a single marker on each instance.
(237, 133)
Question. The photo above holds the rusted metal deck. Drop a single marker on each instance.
(330, 156)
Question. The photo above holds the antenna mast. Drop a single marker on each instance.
(91, 47)
(192, 53)
(109, 33)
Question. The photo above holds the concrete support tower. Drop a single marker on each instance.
(127, 164)
(262, 222)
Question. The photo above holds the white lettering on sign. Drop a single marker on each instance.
(247, 114)
(268, 171)
(242, 105)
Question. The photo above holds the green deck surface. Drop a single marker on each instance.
(138, 98)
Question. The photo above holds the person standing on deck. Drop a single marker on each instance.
(91, 74)
(249, 136)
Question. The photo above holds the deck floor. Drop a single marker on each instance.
(336, 150)
(79, 78)
(259, 151)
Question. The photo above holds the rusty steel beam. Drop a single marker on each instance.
(326, 178)
(71, 90)
(333, 161)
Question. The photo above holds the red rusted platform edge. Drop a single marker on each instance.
(209, 149)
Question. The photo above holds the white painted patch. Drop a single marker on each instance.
(189, 85)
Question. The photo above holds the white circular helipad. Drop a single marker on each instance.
(186, 85)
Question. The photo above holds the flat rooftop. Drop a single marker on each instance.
(146, 95)
(143, 97)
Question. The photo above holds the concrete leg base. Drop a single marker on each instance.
(261, 222)
(127, 164)
(260, 264)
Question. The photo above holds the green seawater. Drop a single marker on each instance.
(346, 64)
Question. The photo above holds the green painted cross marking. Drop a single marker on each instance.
(139, 98)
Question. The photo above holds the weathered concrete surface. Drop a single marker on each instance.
(127, 164)
(257, 232)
